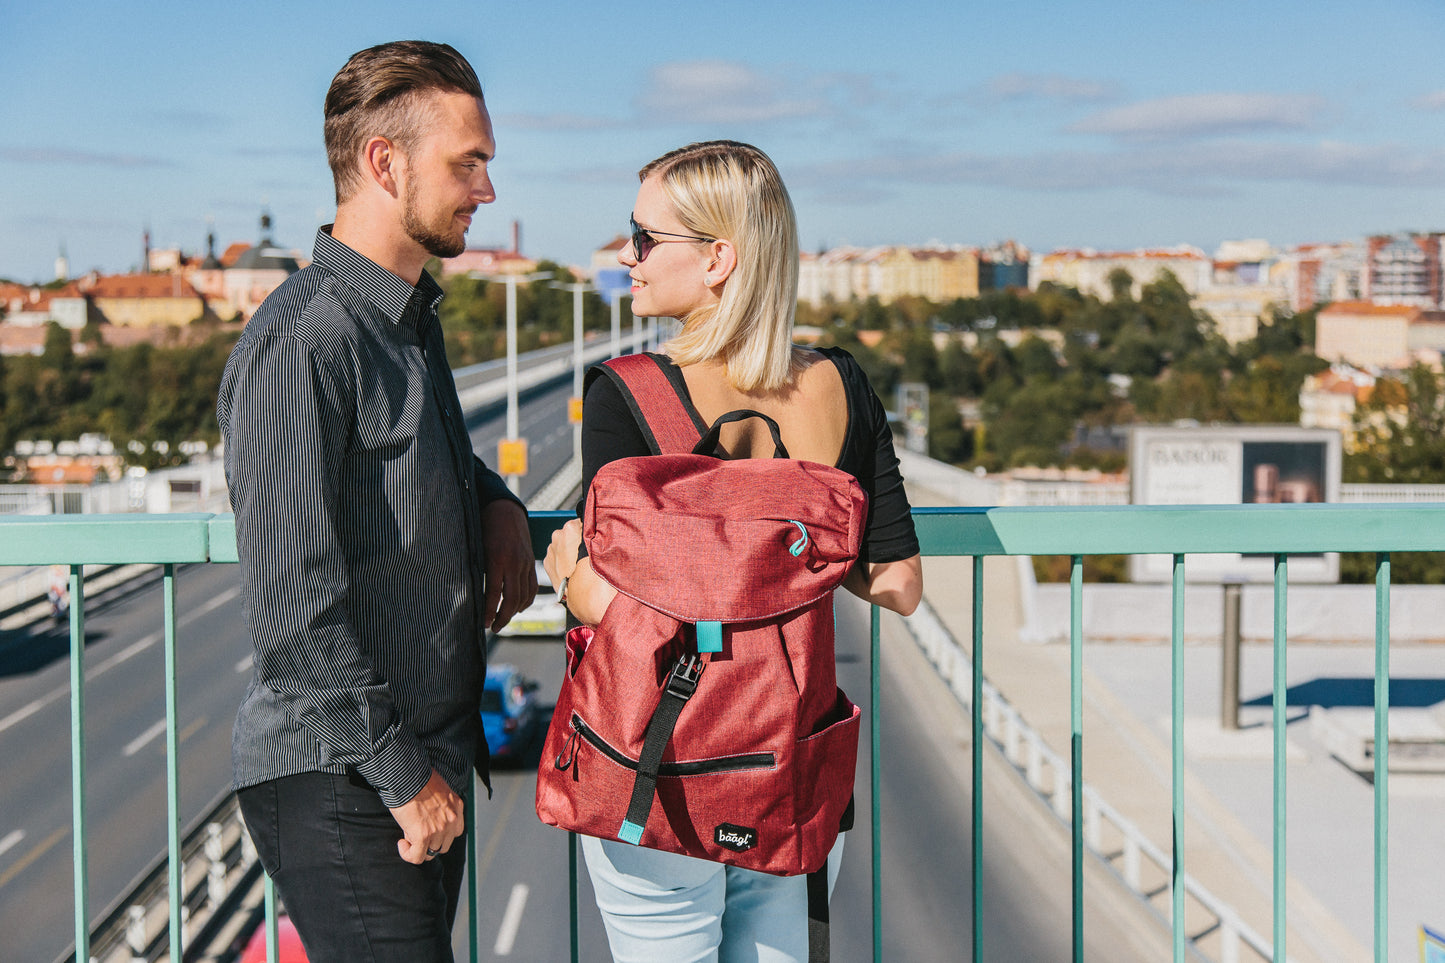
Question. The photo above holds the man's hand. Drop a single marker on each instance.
(429, 821)
(511, 577)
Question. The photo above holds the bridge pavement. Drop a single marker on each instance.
(1126, 757)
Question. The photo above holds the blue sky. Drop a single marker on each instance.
(1054, 122)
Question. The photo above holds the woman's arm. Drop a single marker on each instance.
(587, 596)
(897, 586)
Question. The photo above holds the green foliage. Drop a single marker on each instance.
(144, 392)
(948, 439)
(474, 315)
(1400, 431)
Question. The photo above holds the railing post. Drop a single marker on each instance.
(1076, 746)
(977, 728)
(1176, 871)
(173, 779)
(572, 891)
(469, 815)
(1382, 754)
(77, 759)
(875, 779)
(135, 933)
(1229, 657)
(1281, 693)
(215, 866)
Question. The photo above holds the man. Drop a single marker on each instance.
(374, 547)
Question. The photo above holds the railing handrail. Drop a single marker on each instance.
(1035, 530)
(1273, 530)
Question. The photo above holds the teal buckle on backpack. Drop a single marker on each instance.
(630, 832)
(709, 636)
(797, 547)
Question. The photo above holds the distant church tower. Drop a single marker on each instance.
(62, 265)
(145, 251)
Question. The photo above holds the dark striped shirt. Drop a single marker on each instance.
(357, 501)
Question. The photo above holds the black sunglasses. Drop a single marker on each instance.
(644, 240)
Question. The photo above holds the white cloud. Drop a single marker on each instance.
(1205, 115)
(1025, 86)
(1213, 169)
(67, 155)
(563, 122)
(1435, 100)
(720, 92)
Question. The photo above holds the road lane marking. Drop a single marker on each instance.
(511, 920)
(24, 712)
(129, 651)
(244, 665)
(191, 730)
(139, 742)
(490, 852)
(33, 855)
(11, 841)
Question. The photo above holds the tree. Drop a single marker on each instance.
(948, 439)
(1121, 285)
(958, 370)
(1400, 431)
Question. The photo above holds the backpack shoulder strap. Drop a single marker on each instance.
(654, 401)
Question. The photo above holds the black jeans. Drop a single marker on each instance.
(330, 846)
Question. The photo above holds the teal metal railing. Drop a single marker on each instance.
(976, 533)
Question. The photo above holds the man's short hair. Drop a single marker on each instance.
(378, 93)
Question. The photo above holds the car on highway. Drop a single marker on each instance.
(545, 616)
(510, 713)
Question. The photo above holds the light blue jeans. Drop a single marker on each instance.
(661, 906)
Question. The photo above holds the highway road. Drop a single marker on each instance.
(522, 863)
(125, 713)
(522, 905)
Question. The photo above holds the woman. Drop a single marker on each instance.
(714, 245)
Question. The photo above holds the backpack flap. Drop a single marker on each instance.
(705, 540)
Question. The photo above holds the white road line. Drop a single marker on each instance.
(511, 920)
(244, 665)
(11, 841)
(26, 711)
(133, 649)
(139, 742)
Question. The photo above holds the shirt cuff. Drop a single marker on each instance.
(491, 487)
(399, 771)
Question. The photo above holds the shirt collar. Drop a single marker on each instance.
(400, 302)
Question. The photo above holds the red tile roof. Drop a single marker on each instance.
(143, 286)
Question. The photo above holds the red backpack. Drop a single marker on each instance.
(703, 716)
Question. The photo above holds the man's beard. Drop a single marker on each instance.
(434, 242)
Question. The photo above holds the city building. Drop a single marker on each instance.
(934, 273)
(251, 277)
(492, 260)
(1330, 398)
(1319, 273)
(1403, 269)
(1379, 336)
(607, 274)
(1245, 287)
(148, 300)
(32, 307)
(1088, 270)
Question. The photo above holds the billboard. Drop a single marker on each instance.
(1234, 465)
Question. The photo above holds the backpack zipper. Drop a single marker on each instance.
(701, 767)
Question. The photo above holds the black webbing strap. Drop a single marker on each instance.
(681, 684)
(818, 948)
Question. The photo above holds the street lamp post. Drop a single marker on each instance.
(617, 323)
(512, 448)
(574, 405)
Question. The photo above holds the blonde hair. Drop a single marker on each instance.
(381, 91)
(725, 189)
